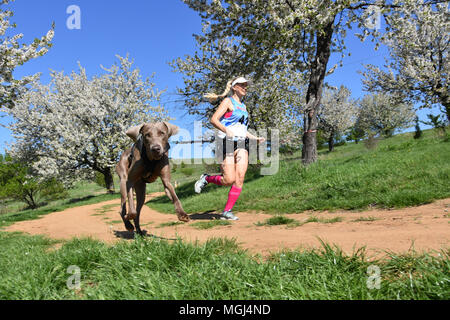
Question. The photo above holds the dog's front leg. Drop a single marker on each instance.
(122, 172)
(140, 199)
(123, 204)
(131, 209)
(168, 194)
(165, 178)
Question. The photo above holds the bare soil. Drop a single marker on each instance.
(422, 228)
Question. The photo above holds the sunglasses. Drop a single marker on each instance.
(242, 85)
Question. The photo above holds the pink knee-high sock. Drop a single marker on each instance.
(214, 179)
(233, 195)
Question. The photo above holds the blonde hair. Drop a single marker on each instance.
(212, 97)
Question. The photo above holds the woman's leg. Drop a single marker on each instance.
(240, 168)
(227, 177)
(228, 171)
(227, 167)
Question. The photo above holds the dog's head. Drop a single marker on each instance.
(156, 136)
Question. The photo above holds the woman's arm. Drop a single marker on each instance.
(250, 136)
(259, 139)
(224, 106)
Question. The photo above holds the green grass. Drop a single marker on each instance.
(331, 220)
(401, 172)
(365, 219)
(10, 218)
(106, 208)
(322, 220)
(169, 224)
(150, 268)
(202, 225)
(282, 220)
(81, 190)
(82, 193)
(278, 220)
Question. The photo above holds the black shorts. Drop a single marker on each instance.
(227, 146)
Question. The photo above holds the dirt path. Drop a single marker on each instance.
(425, 228)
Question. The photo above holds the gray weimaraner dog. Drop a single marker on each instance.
(143, 163)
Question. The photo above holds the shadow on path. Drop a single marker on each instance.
(127, 235)
(207, 215)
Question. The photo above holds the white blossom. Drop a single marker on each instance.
(418, 39)
(75, 125)
(337, 112)
(274, 99)
(12, 54)
(383, 113)
(304, 32)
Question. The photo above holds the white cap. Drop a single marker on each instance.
(240, 80)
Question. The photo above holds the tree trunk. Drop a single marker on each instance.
(109, 181)
(446, 105)
(29, 199)
(314, 93)
(331, 142)
(444, 99)
(309, 150)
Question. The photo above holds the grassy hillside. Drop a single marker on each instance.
(400, 172)
(82, 193)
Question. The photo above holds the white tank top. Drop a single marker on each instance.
(236, 121)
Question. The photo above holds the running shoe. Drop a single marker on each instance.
(228, 215)
(201, 183)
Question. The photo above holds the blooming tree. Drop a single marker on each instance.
(305, 32)
(12, 54)
(75, 125)
(382, 113)
(273, 100)
(337, 113)
(418, 39)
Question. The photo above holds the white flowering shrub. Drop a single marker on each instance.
(337, 113)
(13, 54)
(75, 125)
(418, 38)
(304, 32)
(274, 99)
(383, 114)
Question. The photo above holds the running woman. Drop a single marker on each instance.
(231, 119)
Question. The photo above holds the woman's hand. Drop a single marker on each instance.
(260, 139)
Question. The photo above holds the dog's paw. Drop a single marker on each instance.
(183, 217)
(130, 216)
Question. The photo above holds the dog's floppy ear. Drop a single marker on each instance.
(142, 127)
(134, 132)
(173, 129)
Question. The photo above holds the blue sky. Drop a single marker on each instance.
(153, 32)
